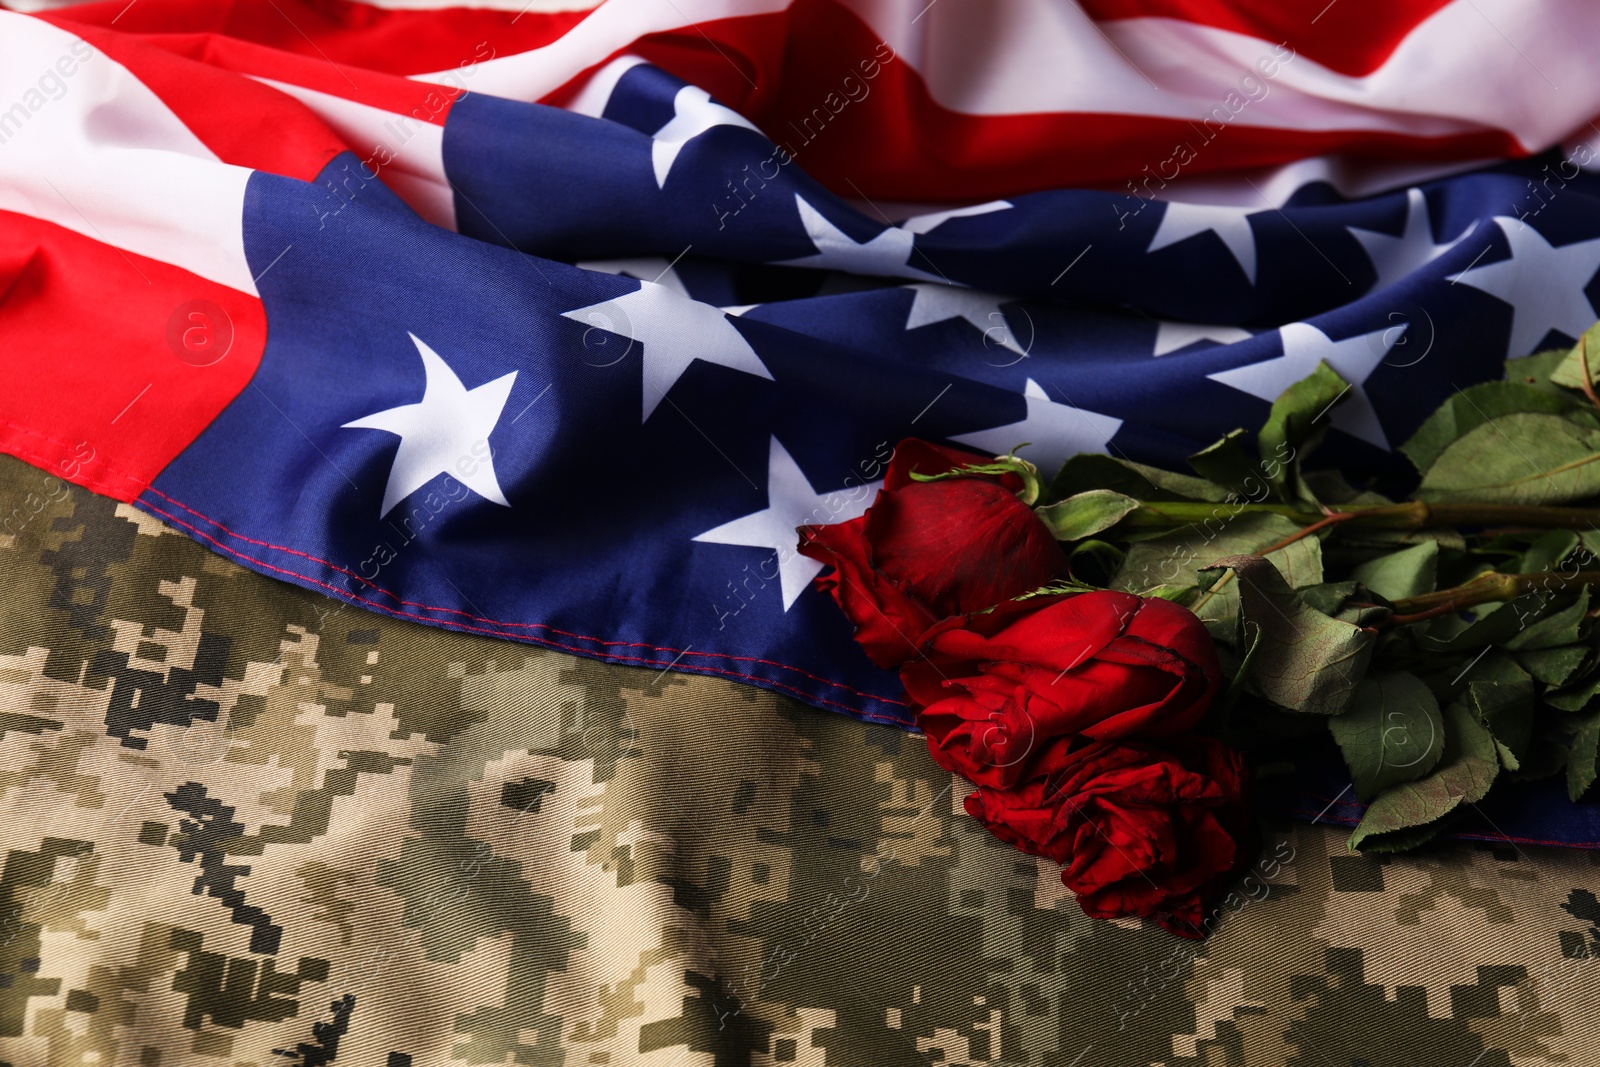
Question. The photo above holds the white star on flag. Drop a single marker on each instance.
(936, 303)
(656, 269)
(1171, 336)
(933, 220)
(693, 113)
(889, 253)
(1395, 257)
(1230, 224)
(1052, 431)
(1542, 283)
(791, 502)
(1304, 346)
(673, 332)
(440, 431)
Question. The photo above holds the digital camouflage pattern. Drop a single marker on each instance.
(245, 825)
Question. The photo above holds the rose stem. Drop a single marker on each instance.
(1486, 588)
(1588, 383)
(1412, 515)
(1320, 524)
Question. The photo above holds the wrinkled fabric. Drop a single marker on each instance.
(240, 818)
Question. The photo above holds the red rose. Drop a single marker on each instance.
(1142, 830)
(928, 550)
(995, 689)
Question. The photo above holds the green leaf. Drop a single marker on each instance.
(1297, 424)
(1062, 587)
(1376, 538)
(1581, 756)
(1180, 594)
(1553, 628)
(1548, 550)
(1330, 487)
(1494, 625)
(1546, 756)
(1402, 840)
(1471, 408)
(1010, 463)
(1094, 561)
(1500, 694)
(1393, 732)
(1463, 775)
(1569, 372)
(1248, 643)
(1575, 698)
(1087, 471)
(1093, 546)
(1409, 572)
(1225, 462)
(1327, 597)
(1535, 370)
(1531, 622)
(1176, 555)
(1345, 601)
(1304, 661)
(1517, 459)
(1085, 514)
(1555, 666)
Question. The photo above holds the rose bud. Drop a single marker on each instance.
(997, 688)
(928, 550)
(1142, 829)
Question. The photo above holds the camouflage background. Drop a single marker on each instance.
(248, 825)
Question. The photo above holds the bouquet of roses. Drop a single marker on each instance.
(1074, 648)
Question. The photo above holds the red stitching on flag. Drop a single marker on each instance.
(523, 625)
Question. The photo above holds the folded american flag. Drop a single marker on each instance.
(553, 326)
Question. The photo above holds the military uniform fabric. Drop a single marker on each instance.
(247, 825)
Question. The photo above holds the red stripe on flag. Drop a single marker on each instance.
(898, 143)
(882, 134)
(341, 33)
(1351, 38)
(425, 101)
(125, 359)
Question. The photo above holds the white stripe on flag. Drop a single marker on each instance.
(1472, 65)
(607, 30)
(416, 171)
(86, 145)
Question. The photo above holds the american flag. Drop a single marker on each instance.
(552, 324)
